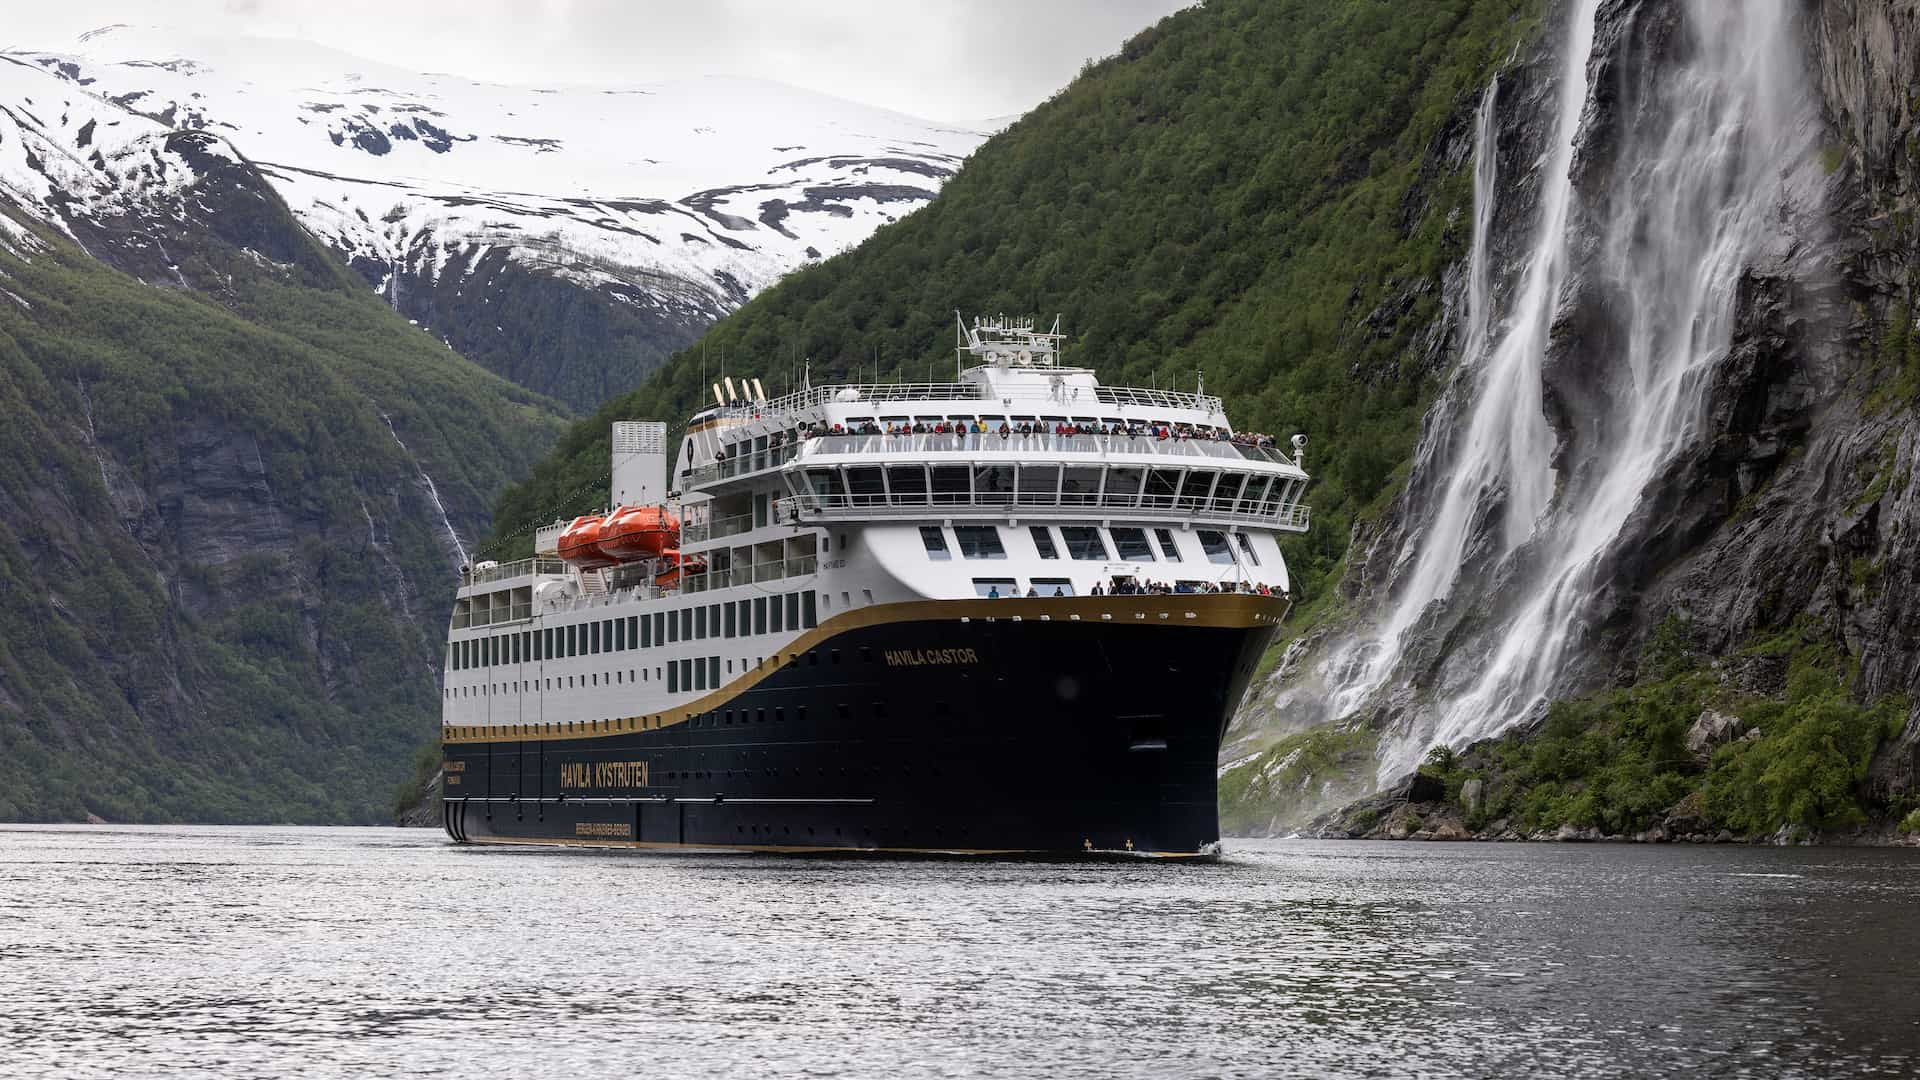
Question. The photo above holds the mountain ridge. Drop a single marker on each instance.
(511, 221)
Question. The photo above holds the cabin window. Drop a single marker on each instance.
(1131, 544)
(686, 674)
(673, 626)
(573, 639)
(1168, 549)
(935, 541)
(1246, 547)
(1043, 541)
(1215, 545)
(995, 588)
(659, 627)
(699, 675)
(713, 672)
(809, 616)
(778, 613)
(746, 617)
(730, 620)
(699, 623)
(1083, 543)
(793, 611)
(1053, 586)
(633, 631)
(686, 624)
(979, 542)
(673, 678)
(759, 614)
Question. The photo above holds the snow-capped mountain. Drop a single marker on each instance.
(566, 236)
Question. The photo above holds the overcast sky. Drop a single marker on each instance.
(963, 60)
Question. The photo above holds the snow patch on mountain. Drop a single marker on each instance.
(681, 196)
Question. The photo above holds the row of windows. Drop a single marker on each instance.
(1083, 542)
(731, 618)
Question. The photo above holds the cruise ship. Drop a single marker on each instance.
(1011, 614)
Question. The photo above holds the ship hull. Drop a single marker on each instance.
(1011, 726)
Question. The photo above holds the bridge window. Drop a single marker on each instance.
(1132, 545)
(935, 542)
(908, 484)
(1215, 545)
(979, 542)
(1161, 484)
(1080, 486)
(1084, 543)
(1039, 484)
(1123, 486)
(952, 484)
(864, 482)
(1043, 541)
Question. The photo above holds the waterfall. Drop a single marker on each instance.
(432, 491)
(1658, 236)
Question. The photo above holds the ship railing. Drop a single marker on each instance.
(1275, 515)
(693, 532)
(746, 463)
(518, 568)
(813, 399)
(1028, 445)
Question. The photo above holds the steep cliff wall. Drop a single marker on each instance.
(1772, 552)
(233, 489)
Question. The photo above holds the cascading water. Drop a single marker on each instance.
(1661, 234)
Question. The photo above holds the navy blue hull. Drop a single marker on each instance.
(932, 729)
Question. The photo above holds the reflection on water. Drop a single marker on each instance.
(370, 952)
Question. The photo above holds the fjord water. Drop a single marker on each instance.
(1688, 197)
(254, 952)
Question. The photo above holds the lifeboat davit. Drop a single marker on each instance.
(580, 543)
(638, 532)
(673, 565)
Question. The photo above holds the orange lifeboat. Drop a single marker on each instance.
(580, 543)
(673, 565)
(638, 532)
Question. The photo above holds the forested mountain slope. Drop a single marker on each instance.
(233, 489)
(1269, 191)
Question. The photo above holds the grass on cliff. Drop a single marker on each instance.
(1253, 188)
(1618, 761)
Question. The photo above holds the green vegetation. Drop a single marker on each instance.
(1295, 778)
(1619, 761)
(222, 585)
(1255, 188)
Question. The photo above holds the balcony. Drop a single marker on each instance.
(808, 402)
(694, 532)
(1001, 504)
(758, 573)
(1030, 446)
(519, 568)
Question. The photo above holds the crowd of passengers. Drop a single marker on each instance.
(1126, 586)
(1131, 430)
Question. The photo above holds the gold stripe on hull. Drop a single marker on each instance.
(1232, 611)
(795, 849)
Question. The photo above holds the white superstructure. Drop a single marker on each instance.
(837, 498)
